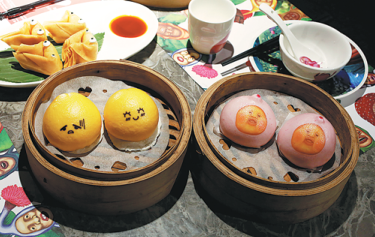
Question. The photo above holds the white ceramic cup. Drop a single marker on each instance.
(210, 23)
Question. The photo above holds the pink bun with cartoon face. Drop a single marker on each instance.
(307, 140)
(248, 121)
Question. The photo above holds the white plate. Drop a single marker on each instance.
(97, 16)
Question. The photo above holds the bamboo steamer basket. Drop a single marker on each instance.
(134, 73)
(110, 193)
(260, 199)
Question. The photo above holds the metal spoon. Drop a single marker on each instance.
(300, 51)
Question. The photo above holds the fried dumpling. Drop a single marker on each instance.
(42, 57)
(32, 32)
(80, 47)
(61, 30)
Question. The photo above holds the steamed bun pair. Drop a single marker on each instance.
(79, 44)
(307, 140)
(73, 123)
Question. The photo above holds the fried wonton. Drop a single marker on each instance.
(80, 47)
(61, 30)
(42, 57)
(32, 32)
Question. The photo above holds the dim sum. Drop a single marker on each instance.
(61, 30)
(80, 47)
(42, 57)
(32, 32)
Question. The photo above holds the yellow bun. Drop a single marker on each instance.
(131, 115)
(72, 122)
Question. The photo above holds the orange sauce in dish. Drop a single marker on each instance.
(128, 26)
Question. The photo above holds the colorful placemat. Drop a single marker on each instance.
(252, 27)
(18, 216)
(249, 23)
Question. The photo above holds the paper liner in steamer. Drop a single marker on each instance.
(104, 155)
(266, 161)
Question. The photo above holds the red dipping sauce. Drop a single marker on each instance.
(128, 26)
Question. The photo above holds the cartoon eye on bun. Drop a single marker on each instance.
(248, 121)
(72, 123)
(307, 140)
(131, 119)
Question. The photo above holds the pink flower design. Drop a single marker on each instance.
(15, 195)
(205, 71)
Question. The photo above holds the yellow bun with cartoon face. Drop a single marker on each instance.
(131, 115)
(72, 122)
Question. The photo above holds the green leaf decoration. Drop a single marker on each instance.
(11, 70)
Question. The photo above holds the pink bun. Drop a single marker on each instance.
(310, 161)
(228, 121)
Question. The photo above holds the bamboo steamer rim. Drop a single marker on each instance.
(171, 156)
(261, 184)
